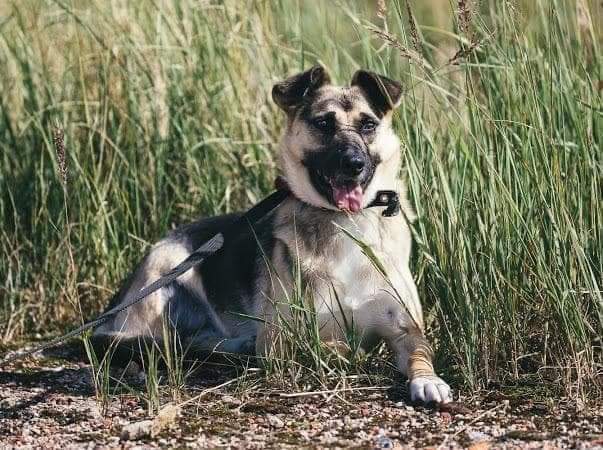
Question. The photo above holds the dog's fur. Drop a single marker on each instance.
(337, 152)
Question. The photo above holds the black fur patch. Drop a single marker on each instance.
(188, 313)
(325, 164)
(290, 93)
(381, 92)
(230, 276)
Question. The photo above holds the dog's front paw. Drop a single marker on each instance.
(429, 389)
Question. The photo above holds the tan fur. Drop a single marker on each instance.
(330, 260)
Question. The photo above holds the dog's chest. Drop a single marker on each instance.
(350, 277)
(336, 270)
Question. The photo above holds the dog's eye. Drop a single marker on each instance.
(322, 123)
(368, 126)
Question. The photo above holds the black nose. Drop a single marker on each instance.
(353, 165)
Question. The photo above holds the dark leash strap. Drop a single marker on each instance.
(250, 218)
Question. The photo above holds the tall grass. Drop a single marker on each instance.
(166, 115)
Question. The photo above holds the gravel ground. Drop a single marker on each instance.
(49, 404)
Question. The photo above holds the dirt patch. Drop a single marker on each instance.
(51, 404)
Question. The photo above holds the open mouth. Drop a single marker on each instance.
(348, 198)
(346, 195)
(341, 180)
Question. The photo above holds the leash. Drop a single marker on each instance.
(251, 217)
(208, 248)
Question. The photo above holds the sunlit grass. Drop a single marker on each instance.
(167, 116)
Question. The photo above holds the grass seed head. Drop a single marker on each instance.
(381, 9)
(465, 14)
(58, 137)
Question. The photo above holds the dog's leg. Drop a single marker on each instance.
(122, 350)
(414, 358)
(388, 318)
(244, 345)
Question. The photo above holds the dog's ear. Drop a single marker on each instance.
(289, 93)
(383, 94)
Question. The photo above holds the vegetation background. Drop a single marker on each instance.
(166, 115)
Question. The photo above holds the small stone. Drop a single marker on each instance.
(136, 430)
(384, 442)
(275, 421)
(446, 417)
(230, 400)
(481, 445)
(144, 428)
(477, 436)
(8, 403)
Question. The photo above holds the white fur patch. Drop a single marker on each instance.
(429, 389)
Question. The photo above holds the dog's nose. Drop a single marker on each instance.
(353, 164)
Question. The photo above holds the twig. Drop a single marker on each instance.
(331, 391)
(209, 390)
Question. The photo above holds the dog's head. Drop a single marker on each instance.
(339, 147)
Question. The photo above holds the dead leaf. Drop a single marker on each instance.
(151, 427)
(166, 416)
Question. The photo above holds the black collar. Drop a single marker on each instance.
(388, 198)
(391, 199)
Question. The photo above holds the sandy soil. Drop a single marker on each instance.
(50, 403)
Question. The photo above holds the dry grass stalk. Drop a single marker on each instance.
(465, 16)
(583, 18)
(464, 51)
(58, 138)
(584, 23)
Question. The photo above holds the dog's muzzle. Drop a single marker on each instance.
(341, 174)
(353, 162)
(349, 178)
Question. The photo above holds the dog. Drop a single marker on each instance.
(337, 151)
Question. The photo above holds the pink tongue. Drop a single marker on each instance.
(348, 198)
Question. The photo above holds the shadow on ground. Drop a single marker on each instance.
(50, 402)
